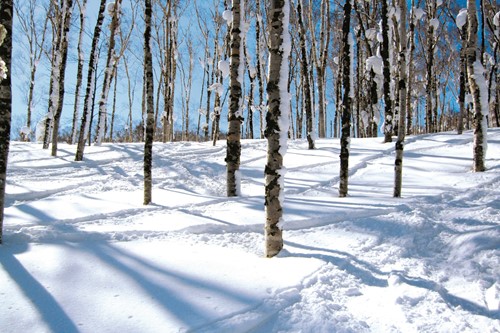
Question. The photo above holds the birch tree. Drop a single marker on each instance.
(28, 16)
(114, 10)
(235, 113)
(79, 72)
(478, 87)
(346, 107)
(6, 7)
(61, 23)
(402, 67)
(89, 91)
(305, 77)
(148, 142)
(277, 122)
(320, 55)
(388, 112)
(430, 104)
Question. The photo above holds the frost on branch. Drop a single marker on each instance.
(219, 89)
(3, 66)
(461, 18)
(224, 68)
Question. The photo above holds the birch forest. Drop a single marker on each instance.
(87, 72)
(79, 75)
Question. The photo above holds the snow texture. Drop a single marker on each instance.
(376, 63)
(419, 13)
(82, 254)
(462, 18)
(227, 15)
(434, 23)
(224, 67)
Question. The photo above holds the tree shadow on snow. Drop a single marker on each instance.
(48, 307)
(174, 292)
(370, 275)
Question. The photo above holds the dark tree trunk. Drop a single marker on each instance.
(5, 102)
(402, 66)
(476, 82)
(148, 141)
(79, 73)
(304, 65)
(346, 107)
(89, 92)
(388, 112)
(62, 72)
(235, 116)
(277, 116)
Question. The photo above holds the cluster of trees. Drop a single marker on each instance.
(334, 68)
(191, 49)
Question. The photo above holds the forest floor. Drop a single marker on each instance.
(82, 254)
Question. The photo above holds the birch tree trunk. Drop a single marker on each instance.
(108, 72)
(27, 13)
(430, 104)
(477, 84)
(79, 72)
(235, 113)
(402, 67)
(305, 78)
(63, 53)
(260, 65)
(58, 65)
(320, 56)
(148, 140)
(89, 92)
(388, 112)
(463, 79)
(277, 123)
(410, 66)
(6, 7)
(346, 107)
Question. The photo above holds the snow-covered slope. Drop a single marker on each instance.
(82, 254)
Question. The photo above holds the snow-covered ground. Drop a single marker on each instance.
(82, 254)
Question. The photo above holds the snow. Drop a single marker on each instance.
(217, 87)
(434, 23)
(462, 18)
(419, 13)
(224, 67)
(82, 254)
(227, 15)
(375, 63)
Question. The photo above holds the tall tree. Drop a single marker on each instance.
(235, 113)
(402, 67)
(305, 77)
(431, 98)
(79, 71)
(114, 10)
(61, 23)
(89, 92)
(320, 55)
(148, 142)
(388, 112)
(462, 26)
(60, 61)
(260, 63)
(277, 122)
(345, 135)
(28, 15)
(409, 83)
(5, 97)
(478, 87)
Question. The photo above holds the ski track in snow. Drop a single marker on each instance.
(391, 265)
